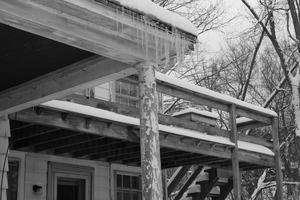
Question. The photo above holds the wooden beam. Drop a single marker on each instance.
(188, 183)
(162, 119)
(100, 128)
(211, 183)
(91, 27)
(225, 190)
(177, 177)
(278, 165)
(235, 154)
(79, 76)
(202, 99)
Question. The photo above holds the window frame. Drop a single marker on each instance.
(129, 190)
(56, 170)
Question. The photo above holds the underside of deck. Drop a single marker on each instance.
(57, 132)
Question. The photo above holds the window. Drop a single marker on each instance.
(69, 182)
(127, 92)
(128, 186)
(13, 177)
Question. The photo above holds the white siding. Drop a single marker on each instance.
(36, 173)
(103, 92)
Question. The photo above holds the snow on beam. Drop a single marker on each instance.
(111, 116)
(213, 96)
(155, 11)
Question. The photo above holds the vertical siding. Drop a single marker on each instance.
(4, 135)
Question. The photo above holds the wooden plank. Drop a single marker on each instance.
(188, 183)
(225, 190)
(100, 128)
(278, 164)
(177, 177)
(78, 76)
(235, 153)
(162, 119)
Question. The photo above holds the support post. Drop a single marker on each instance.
(149, 133)
(4, 135)
(234, 154)
(278, 165)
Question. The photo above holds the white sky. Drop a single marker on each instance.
(214, 40)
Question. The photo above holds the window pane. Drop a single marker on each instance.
(119, 180)
(125, 88)
(126, 196)
(118, 87)
(12, 176)
(133, 103)
(133, 90)
(135, 182)
(122, 100)
(136, 196)
(126, 181)
(119, 195)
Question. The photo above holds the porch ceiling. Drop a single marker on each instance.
(25, 56)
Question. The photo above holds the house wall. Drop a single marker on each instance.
(33, 170)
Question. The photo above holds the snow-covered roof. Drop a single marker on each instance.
(211, 94)
(194, 110)
(147, 8)
(153, 10)
(103, 114)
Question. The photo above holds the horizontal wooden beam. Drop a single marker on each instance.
(79, 76)
(162, 119)
(201, 99)
(100, 128)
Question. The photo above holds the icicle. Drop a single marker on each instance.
(117, 20)
(167, 52)
(183, 48)
(142, 35)
(197, 50)
(122, 24)
(147, 45)
(137, 38)
(156, 47)
(178, 50)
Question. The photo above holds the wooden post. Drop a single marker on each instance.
(234, 153)
(149, 133)
(4, 135)
(279, 177)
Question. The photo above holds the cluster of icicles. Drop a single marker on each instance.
(149, 37)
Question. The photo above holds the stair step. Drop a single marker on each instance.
(196, 189)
